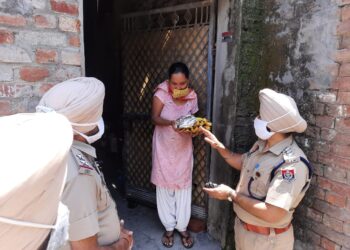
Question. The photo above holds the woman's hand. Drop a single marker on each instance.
(211, 139)
(126, 235)
(221, 192)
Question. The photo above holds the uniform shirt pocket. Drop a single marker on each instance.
(103, 199)
(258, 184)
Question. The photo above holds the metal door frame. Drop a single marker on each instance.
(129, 23)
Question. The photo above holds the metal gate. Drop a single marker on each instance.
(151, 41)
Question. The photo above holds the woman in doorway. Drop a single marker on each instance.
(172, 154)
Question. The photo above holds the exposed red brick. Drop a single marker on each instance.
(5, 108)
(7, 90)
(33, 74)
(14, 90)
(344, 98)
(342, 56)
(343, 125)
(333, 223)
(46, 56)
(341, 150)
(74, 41)
(334, 161)
(346, 229)
(343, 2)
(340, 188)
(342, 139)
(345, 13)
(328, 134)
(336, 199)
(344, 28)
(64, 7)
(325, 121)
(6, 37)
(45, 22)
(335, 110)
(45, 87)
(336, 174)
(329, 245)
(344, 69)
(12, 20)
(342, 83)
(333, 211)
(333, 69)
(346, 109)
(324, 183)
(345, 43)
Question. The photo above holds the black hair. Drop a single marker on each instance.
(179, 67)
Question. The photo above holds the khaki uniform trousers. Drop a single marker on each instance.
(246, 240)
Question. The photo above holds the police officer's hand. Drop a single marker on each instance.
(221, 192)
(211, 139)
(126, 235)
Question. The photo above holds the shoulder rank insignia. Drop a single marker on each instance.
(288, 174)
(84, 166)
(288, 155)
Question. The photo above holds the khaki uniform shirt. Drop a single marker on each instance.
(92, 210)
(285, 190)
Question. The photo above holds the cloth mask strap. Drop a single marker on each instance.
(279, 117)
(290, 126)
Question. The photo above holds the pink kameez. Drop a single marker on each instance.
(172, 152)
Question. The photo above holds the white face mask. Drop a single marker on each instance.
(261, 131)
(93, 138)
(261, 127)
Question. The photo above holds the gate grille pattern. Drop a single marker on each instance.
(150, 43)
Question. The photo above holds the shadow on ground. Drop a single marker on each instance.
(148, 230)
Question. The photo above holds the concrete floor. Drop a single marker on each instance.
(148, 230)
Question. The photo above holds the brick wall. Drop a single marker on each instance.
(328, 217)
(40, 45)
(302, 48)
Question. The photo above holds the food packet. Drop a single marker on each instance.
(191, 124)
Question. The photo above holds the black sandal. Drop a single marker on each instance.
(168, 239)
(185, 237)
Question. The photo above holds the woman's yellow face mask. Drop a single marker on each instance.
(179, 85)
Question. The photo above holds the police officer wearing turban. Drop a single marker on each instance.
(94, 222)
(274, 176)
(34, 150)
